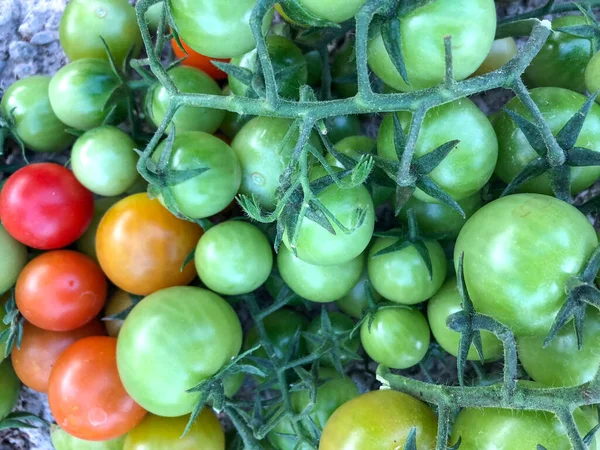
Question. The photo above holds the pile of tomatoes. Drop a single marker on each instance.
(119, 295)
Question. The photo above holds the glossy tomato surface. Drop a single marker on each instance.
(64, 441)
(199, 61)
(355, 301)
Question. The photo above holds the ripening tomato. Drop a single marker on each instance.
(44, 206)
(86, 395)
(61, 290)
(141, 246)
(40, 349)
(14, 258)
(195, 59)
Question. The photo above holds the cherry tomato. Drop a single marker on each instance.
(86, 396)
(340, 324)
(86, 244)
(314, 66)
(40, 349)
(44, 206)
(118, 302)
(502, 51)
(9, 387)
(355, 301)
(14, 258)
(592, 74)
(195, 59)
(336, 11)
(341, 127)
(141, 246)
(343, 71)
(64, 441)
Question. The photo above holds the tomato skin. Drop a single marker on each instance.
(592, 74)
(398, 337)
(14, 258)
(83, 22)
(40, 349)
(212, 191)
(44, 206)
(141, 246)
(104, 161)
(340, 323)
(86, 244)
(195, 59)
(379, 420)
(339, 11)
(234, 258)
(341, 127)
(502, 242)
(61, 290)
(561, 363)
(10, 387)
(321, 284)
(187, 118)
(443, 304)
(217, 29)
(181, 336)
(562, 60)
(158, 433)
(502, 51)
(64, 441)
(469, 166)
(35, 122)
(355, 301)
(115, 304)
(424, 55)
(79, 91)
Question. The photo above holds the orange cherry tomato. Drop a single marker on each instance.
(40, 349)
(61, 290)
(141, 246)
(118, 302)
(199, 61)
(86, 395)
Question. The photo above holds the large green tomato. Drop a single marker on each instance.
(234, 258)
(562, 60)
(104, 161)
(592, 74)
(84, 22)
(380, 420)
(9, 388)
(561, 363)
(35, 122)
(320, 284)
(79, 91)
(212, 191)
(217, 28)
(316, 245)
(170, 342)
(402, 276)
(340, 324)
(14, 258)
(187, 118)
(468, 166)
(557, 106)
(61, 440)
(335, 11)
(470, 23)
(443, 304)
(258, 146)
(289, 65)
(355, 301)
(537, 243)
(397, 338)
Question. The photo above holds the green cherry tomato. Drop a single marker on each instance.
(87, 242)
(340, 127)
(316, 245)
(233, 258)
(320, 284)
(561, 363)
(212, 191)
(343, 71)
(340, 324)
(334, 11)
(438, 219)
(289, 65)
(258, 146)
(562, 60)
(14, 258)
(506, 429)
(502, 51)
(380, 420)
(538, 243)
(104, 161)
(79, 92)
(355, 301)
(443, 304)
(84, 22)
(153, 16)
(187, 118)
(314, 66)
(9, 387)
(468, 166)
(61, 440)
(170, 342)
(422, 36)
(592, 74)
(232, 122)
(402, 276)
(217, 29)
(397, 338)
(36, 123)
(557, 106)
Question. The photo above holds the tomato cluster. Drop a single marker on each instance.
(130, 274)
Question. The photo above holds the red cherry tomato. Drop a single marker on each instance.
(198, 60)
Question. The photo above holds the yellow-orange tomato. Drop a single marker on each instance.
(198, 60)
(141, 246)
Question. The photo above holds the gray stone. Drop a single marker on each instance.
(53, 22)
(25, 70)
(21, 50)
(44, 37)
(33, 24)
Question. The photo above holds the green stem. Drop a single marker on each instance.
(549, 8)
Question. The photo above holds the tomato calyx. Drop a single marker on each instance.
(590, 31)
(13, 335)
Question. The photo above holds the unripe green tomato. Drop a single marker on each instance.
(153, 16)
(502, 51)
(87, 242)
(233, 258)
(314, 66)
(233, 122)
(340, 323)
(85, 21)
(9, 387)
(337, 12)
(340, 127)
(320, 284)
(61, 440)
(14, 258)
(36, 123)
(592, 75)
(343, 71)
(355, 301)
(104, 161)
(397, 338)
(402, 276)
(442, 305)
(187, 118)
